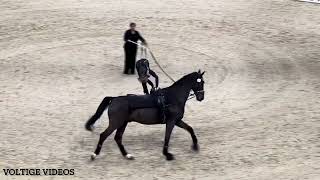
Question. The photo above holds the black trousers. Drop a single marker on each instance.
(130, 52)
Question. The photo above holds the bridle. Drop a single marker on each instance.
(193, 95)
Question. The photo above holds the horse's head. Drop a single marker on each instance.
(143, 70)
(197, 85)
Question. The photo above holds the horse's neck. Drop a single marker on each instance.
(179, 92)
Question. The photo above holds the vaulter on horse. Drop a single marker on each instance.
(145, 73)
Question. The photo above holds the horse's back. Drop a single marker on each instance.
(138, 108)
(141, 101)
(119, 107)
(132, 102)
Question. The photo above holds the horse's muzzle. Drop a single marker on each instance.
(199, 95)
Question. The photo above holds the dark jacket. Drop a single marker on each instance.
(133, 37)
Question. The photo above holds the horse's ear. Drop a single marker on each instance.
(199, 72)
(203, 73)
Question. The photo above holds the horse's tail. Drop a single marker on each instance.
(103, 105)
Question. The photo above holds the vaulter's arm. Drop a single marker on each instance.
(152, 73)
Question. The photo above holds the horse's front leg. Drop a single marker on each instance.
(169, 127)
(188, 128)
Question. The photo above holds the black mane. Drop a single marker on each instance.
(188, 77)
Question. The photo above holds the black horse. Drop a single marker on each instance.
(124, 109)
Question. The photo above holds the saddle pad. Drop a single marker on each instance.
(142, 101)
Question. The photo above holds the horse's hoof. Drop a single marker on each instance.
(129, 157)
(170, 157)
(93, 156)
(195, 147)
(89, 127)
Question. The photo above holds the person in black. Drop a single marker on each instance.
(130, 49)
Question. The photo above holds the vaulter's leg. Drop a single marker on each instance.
(169, 127)
(118, 139)
(188, 128)
(150, 83)
(145, 88)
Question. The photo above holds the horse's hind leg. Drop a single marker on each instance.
(103, 137)
(118, 139)
(185, 126)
